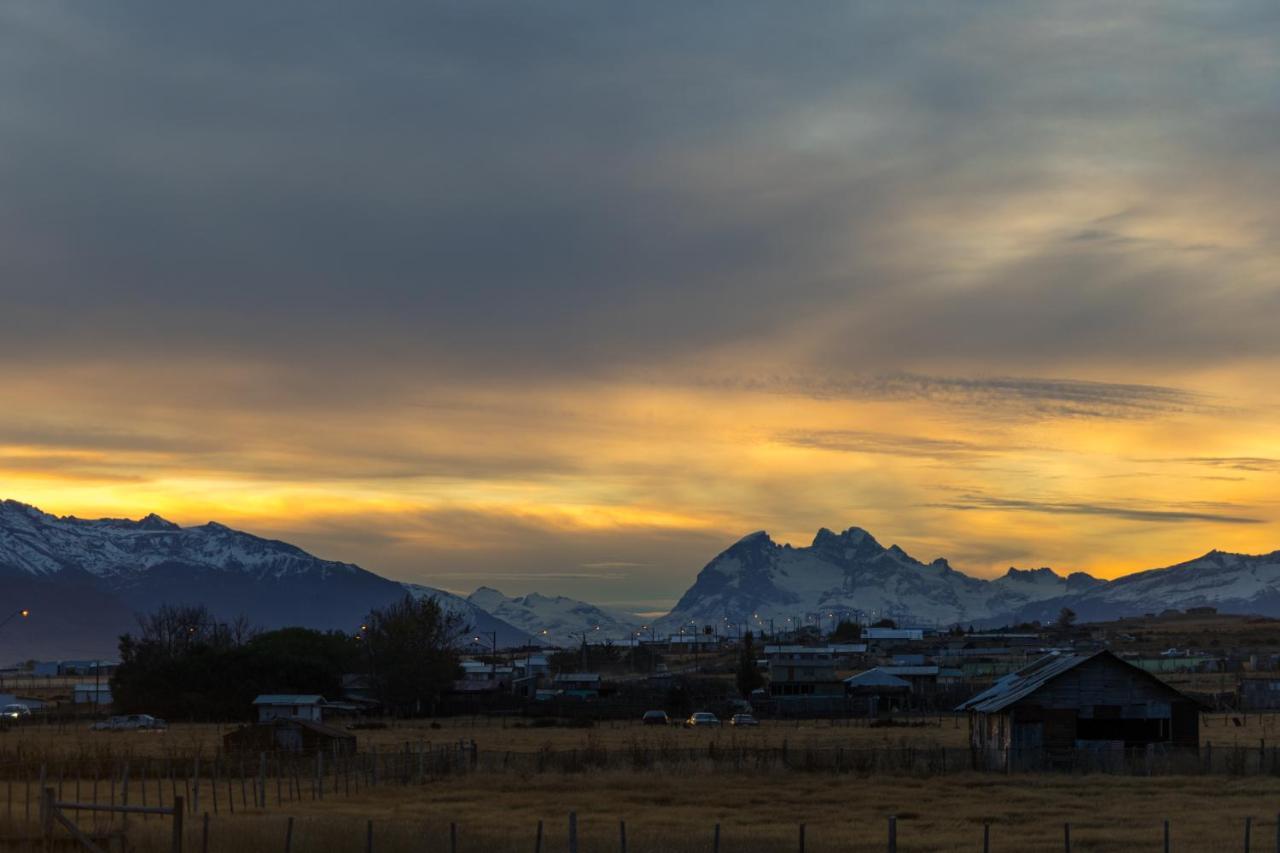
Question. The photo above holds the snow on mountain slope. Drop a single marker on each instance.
(1233, 583)
(556, 619)
(61, 566)
(756, 579)
(43, 544)
(477, 620)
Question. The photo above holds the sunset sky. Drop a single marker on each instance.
(568, 297)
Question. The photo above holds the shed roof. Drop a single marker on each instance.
(877, 678)
(289, 699)
(1017, 686)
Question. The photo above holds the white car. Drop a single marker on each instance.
(15, 713)
(130, 723)
(702, 719)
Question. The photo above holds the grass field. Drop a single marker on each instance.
(761, 813)
(675, 809)
(71, 741)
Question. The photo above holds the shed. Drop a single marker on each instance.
(305, 706)
(1062, 704)
(289, 735)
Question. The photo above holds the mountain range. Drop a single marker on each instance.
(85, 579)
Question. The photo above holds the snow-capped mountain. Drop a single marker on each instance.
(480, 621)
(557, 620)
(1233, 583)
(84, 580)
(756, 580)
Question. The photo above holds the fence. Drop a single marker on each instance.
(282, 836)
(227, 782)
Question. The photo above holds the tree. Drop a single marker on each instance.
(412, 648)
(847, 632)
(183, 665)
(1066, 619)
(748, 676)
(885, 623)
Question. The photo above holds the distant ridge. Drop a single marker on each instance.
(85, 579)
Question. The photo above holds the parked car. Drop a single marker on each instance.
(655, 718)
(702, 719)
(130, 723)
(743, 720)
(15, 713)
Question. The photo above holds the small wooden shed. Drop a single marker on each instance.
(289, 735)
(1063, 704)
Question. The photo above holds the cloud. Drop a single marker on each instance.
(1062, 398)
(1122, 512)
(855, 441)
(1235, 463)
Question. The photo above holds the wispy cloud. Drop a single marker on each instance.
(1234, 463)
(1045, 397)
(856, 441)
(1144, 513)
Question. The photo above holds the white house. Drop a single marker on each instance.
(91, 694)
(274, 706)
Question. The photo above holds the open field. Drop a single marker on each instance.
(58, 742)
(761, 813)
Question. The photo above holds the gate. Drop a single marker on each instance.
(51, 815)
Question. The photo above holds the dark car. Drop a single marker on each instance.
(655, 718)
(743, 720)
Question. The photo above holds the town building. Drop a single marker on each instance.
(272, 706)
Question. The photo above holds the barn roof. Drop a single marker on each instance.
(1019, 685)
(289, 699)
(877, 678)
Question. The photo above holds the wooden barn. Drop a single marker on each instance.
(1048, 713)
(289, 735)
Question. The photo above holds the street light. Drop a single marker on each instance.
(21, 611)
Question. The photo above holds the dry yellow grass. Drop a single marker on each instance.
(760, 813)
(55, 743)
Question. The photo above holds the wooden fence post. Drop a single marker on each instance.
(262, 781)
(46, 817)
(986, 838)
(573, 832)
(715, 843)
(1166, 836)
(179, 807)
(1248, 831)
(622, 836)
(453, 838)
(368, 837)
(288, 836)
(801, 839)
(537, 839)
(893, 834)
(204, 834)
(1066, 836)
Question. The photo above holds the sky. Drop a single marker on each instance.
(570, 296)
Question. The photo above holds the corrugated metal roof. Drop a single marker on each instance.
(288, 699)
(1018, 685)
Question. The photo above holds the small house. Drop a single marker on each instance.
(804, 679)
(1060, 705)
(877, 691)
(582, 685)
(92, 693)
(289, 735)
(288, 706)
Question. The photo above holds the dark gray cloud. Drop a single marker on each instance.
(498, 189)
(1122, 512)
